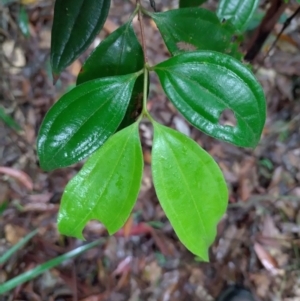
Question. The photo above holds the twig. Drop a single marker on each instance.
(264, 29)
(140, 18)
(284, 27)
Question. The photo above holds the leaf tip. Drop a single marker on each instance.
(55, 77)
(202, 255)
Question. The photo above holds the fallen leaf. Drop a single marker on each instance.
(13, 233)
(19, 175)
(267, 260)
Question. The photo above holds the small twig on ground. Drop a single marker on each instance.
(264, 29)
(284, 27)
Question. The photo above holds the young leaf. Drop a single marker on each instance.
(119, 54)
(75, 25)
(190, 3)
(107, 186)
(191, 29)
(238, 12)
(204, 84)
(83, 119)
(190, 187)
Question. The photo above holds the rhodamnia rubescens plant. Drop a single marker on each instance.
(100, 117)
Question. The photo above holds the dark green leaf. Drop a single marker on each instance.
(191, 29)
(119, 54)
(135, 105)
(107, 186)
(76, 23)
(190, 3)
(202, 85)
(83, 119)
(190, 187)
(23, 21)
(238, 12)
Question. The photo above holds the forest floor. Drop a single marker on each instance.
(258, 243)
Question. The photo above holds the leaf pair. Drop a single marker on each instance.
(188, 183)
(104, 101)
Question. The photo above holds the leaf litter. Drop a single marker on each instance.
(258, 239)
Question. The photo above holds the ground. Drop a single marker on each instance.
(258, 239)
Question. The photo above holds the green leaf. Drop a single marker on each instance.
(119, 54)
(40, 269)
(107, 186)
(75, 25)
(190, 3)
(238, 12)
(191, 29)
(8, 120)
(23, 21)
(202, 85)
(17, 246)
(83, 119)
(190, 187)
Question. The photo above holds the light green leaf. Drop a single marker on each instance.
(107, 186)
(190, 187)
(238, 12)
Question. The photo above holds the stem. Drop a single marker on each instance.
(133, 14)
(145, 94)
(140, 19)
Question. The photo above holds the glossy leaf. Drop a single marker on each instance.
(83, 119)
(238, 12)
(75, 25)
(190, 3)
(190, 187)
(119, 54)
(204, 84)
(107, 186)
(190, 29)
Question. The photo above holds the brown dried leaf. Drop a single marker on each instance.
(128, 226)
(266, 259)
(19, 175)
(13, 233)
